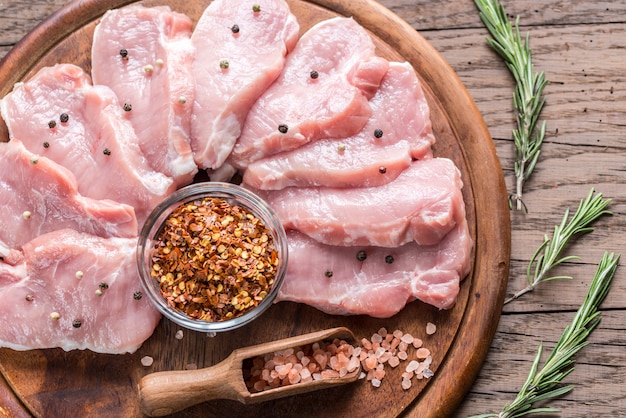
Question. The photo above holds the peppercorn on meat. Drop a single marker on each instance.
(75, 291)
(240, 51)
(423, 205)
(398, 132)
(335, 138)
(38, 196)
(144, 54)
(375, 281)
(323, 92)
(86, 132)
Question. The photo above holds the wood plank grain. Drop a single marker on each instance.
(26, 16)
(425, 15)
(463, 332)
(599, 363)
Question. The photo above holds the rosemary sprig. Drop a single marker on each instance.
(547, 255)
(544, 384)
(527, 100)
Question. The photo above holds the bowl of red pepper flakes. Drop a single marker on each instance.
(212, 256)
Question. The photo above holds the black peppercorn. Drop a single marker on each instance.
(314, 74)
(378, 133)
(137, 295)
(282, 128)
(124, 53)
(77, 323)
(235, 28)
(328, 273)
(106, 151)
(361, 255)
(382, 169)
(389, 259)
(46, 144)
(64, 117)
(52, 124)
(128, 107)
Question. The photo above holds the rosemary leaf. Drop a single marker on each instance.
(528, 98)
(544, 384)
(548, 255)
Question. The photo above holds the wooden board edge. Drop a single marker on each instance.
(485, 299)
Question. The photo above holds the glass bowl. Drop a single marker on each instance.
(149, 240)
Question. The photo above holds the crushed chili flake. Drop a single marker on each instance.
(213, 260)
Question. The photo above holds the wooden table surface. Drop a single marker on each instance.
(581, 47)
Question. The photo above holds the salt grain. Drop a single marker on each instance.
(179, 334)
(147, 361)
(406, 383)
(431, 328)
(412, 366)
(394, 361)
(376, 383)
(422, 353)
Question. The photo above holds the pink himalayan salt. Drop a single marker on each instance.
(422, 353)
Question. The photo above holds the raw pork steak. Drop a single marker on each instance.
(422, 204)
(38, 196)
(154, 78)
(96, 142)
(253, 46)
(75, 291)
(398, 132)
(323, 92)
(333, 280)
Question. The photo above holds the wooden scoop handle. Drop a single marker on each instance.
(164, 393)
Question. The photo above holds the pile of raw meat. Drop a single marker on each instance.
(335, 138)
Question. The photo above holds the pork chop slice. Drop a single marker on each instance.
(75, 291)
(398, 132)
(38, 195)
(378, 282)
(144, 55)
(323, 92)
(422, 204)
(239, 53)
(96, 142)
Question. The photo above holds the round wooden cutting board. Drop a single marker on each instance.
(82, 383)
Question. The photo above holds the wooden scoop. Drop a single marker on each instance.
(163, 393)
